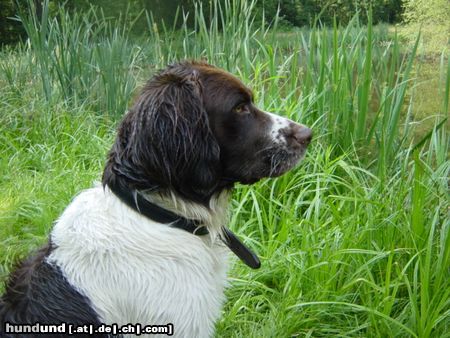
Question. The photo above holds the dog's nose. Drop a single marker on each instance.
(300, 134)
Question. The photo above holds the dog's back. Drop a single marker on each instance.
(38, 293)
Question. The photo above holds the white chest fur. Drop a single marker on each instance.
(135, 270)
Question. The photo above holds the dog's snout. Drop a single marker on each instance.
(299, 134)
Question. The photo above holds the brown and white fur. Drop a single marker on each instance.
(190, 136)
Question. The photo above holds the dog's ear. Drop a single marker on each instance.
(168, 138)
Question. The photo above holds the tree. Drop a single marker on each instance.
(304, 12)
(10, 30)
(432, 18)
(427, 11)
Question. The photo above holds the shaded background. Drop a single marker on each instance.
(293, 13)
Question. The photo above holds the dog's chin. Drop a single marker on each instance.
(248, 180)
(267, 170)
(281, 162)
(287, 165)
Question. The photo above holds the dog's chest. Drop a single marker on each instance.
(136, 271)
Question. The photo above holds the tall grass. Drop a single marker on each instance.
(355, 242)
(80, 57)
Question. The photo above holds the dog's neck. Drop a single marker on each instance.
(191, 217)
(213, 217)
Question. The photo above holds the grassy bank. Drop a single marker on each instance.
(354, 243)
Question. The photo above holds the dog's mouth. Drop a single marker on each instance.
(273, 162)
(282, 161)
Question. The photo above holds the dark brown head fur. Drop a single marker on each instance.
(195, 131)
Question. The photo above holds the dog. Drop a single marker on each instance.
(149, 245)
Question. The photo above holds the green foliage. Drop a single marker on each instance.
(427, 11)
(10, 29)
(354, 243)
(432, 18)
(289, 13)
(305, 12)
(81, 57)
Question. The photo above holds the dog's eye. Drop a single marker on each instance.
(241, 109)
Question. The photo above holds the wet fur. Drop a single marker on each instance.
(192, 133)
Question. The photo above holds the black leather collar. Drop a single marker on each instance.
(154, 212)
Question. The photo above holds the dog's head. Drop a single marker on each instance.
(194, 130)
